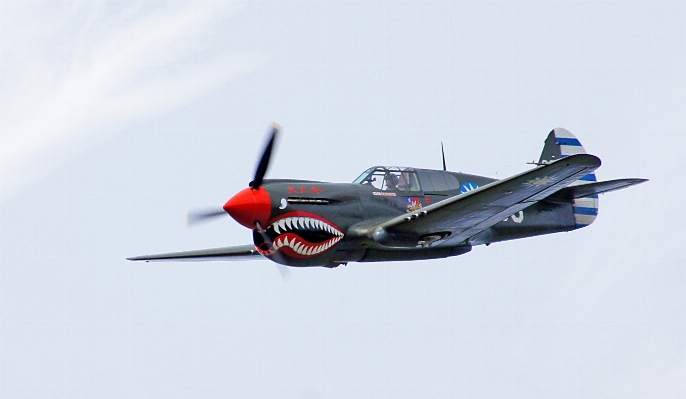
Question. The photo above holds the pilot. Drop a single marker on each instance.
(391, 182)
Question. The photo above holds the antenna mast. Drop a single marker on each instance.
(443, 154)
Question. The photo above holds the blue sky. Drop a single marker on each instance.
(118, 117)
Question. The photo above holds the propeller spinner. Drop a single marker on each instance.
(250, 207)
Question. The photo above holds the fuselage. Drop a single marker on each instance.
(312, 223)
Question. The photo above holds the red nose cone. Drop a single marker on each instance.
(249, 206)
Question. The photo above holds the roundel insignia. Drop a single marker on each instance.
(467, 187)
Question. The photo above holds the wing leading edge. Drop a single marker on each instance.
(242, 252)
(466, 215)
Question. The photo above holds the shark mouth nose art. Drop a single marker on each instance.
(298, 235)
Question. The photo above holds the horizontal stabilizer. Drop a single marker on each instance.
(243, 252)
(591, 189)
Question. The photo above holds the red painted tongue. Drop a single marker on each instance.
(249, 206)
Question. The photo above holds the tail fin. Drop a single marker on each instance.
(562, 143)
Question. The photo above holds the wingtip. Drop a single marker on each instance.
(589, 159)
(636, 180)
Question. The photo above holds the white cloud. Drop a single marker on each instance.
(69, 68)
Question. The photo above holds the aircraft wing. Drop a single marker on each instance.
(242, 252)
(466, 215)
(589, 189)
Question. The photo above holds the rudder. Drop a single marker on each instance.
(561, 143)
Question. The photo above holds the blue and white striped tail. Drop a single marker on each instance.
(562, 143)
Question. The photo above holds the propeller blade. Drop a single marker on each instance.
(284, 271)
(195, 217)
(264, 161)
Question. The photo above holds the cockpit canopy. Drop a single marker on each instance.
(392, 178)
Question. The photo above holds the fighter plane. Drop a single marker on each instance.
(393, 213)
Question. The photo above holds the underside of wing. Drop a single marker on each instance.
(458, 218)
(242, 252)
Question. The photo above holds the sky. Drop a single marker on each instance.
(118, 117)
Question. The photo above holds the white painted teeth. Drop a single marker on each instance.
(299, 223)
(302, 248)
